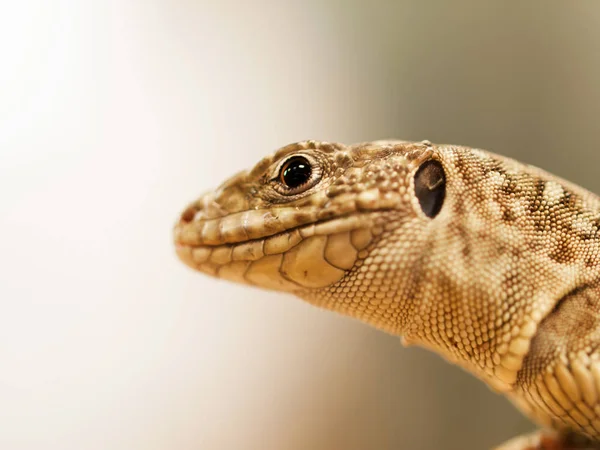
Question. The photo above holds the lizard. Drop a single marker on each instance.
(491, 263)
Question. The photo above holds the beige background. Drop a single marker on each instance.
(114, 114)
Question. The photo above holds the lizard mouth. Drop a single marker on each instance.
(285, 248)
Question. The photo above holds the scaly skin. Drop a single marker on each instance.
(502, 281)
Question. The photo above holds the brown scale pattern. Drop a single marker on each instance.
(504, 281)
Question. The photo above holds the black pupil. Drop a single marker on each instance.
(296, 172)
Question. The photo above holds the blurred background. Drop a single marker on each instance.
(114, 114)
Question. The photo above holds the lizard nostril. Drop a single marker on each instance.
(188, 215)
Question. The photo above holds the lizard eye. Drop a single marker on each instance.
(297, 174)
(430, 187)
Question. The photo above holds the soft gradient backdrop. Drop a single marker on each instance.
(114, 114)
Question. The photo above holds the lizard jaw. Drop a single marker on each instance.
(286, 250)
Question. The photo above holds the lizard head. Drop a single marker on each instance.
(306, 218)
(440, 244)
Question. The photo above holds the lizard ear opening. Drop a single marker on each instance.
(430, 187)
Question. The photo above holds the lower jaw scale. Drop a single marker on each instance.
(298, 259)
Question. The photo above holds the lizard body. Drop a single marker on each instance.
(491, 263)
